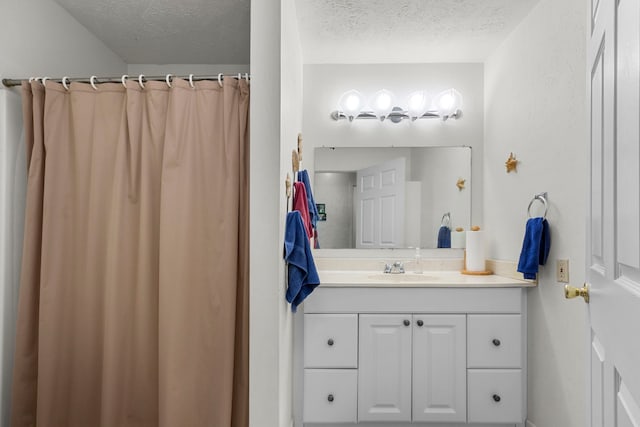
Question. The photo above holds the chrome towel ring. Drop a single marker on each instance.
(543, 198)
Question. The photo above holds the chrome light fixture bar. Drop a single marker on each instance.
(446, 105)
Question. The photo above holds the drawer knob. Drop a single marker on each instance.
(330, 342)
(496, 398)
(420, 322)
(406, 322)
(330, 398)
(496, 342)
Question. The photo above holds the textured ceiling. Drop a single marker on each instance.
(377, 31)
(168, 31)
(331, 31)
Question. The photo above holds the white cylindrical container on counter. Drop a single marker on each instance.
(475, 253)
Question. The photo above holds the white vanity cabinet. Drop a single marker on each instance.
(414, 356)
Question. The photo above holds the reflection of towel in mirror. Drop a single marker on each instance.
(535, 247)
(444, 237)
(302, 274)
(300, 204)
(303, 176)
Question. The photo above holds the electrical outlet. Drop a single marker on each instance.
(562, 271)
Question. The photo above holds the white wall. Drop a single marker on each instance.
(535, 94)
(324, 84)
(40, 39)
(185, 69)
(276, 118)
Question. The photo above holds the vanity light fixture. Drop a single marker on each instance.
(447, 104)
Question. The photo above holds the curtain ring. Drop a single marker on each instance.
(168, 80)
(239, 76)
(124, 80)
(191, 81)
(64, 83)
(44, 81)
(246, 77)
(220, 79)
(92, 81)
(140, 77)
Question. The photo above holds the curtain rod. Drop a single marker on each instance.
(18, 82)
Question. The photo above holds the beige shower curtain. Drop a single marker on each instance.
(133, 303)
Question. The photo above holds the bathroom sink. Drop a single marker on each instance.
(402, 277)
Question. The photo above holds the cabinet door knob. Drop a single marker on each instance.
(496, 342)
(496, 398)
(406, 322)
(420, 322)
(330, 398)
(330, 342)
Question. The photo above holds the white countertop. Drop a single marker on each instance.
(428, 279)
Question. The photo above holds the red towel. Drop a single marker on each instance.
(300, 204)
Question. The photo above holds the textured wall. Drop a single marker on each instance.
(535, 96)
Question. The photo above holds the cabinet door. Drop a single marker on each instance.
(384, 374)
(439, 368)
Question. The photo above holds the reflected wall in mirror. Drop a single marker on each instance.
(389, 197)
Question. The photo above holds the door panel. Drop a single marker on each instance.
(597, 110)
(384, 378)
(627, 410)
(380, 198)
(613, 239)
(439, 368)
(627, 146)
(597, 381)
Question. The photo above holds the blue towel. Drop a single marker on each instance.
(302, 274)
(303, 176)
(444, 237)
(535, 247)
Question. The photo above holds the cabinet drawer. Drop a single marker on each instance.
(330, 395)
(495, 396)
(494, 341)
(331, 341)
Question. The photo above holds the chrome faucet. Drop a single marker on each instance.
(395, 268)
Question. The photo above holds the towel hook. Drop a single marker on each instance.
(446, 219)
(543, 198)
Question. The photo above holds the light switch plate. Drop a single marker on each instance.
(562, 271)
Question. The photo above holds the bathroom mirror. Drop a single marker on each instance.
(390, 197)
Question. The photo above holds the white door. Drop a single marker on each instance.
(384, 372)
(379, 205)
(439, 368)
(613, 232)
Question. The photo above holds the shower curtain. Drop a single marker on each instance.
(133, 307)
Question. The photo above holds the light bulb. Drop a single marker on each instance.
(417, 104)
(382, 103)
(448, 102)
(351, 103)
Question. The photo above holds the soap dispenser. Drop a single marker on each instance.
(418, 259)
